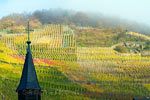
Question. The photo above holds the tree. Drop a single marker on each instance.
(19, 19)
(6, 23)
(121, 49)
(17, 29)
(34, 23)
(99, 24)
(80, 19)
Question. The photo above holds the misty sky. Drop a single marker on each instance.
(138, 10)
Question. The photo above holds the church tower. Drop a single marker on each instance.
(29, 88)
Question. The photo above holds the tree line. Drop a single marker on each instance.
(16, 22)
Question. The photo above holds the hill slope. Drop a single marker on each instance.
(126, 42)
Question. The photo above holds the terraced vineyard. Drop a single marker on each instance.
(67, 72)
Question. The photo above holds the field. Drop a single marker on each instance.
(69, 72)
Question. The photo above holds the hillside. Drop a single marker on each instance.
(55, 85)
(16, 22)
(68, 70)
(117, 38)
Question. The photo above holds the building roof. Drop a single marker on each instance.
(29, 79)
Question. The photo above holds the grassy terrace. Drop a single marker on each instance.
(55, 85)
(96, 75)
(74, 73)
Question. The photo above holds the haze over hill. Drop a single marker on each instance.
(70, 17)
(136, 10)
(130, 13)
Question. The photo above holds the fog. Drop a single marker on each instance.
(135, 10)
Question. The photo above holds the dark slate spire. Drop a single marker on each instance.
(29, 79)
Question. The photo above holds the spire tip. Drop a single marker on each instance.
(28, 42)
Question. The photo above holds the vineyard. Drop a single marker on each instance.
(69, 72)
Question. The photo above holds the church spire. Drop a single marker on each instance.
(29, 86)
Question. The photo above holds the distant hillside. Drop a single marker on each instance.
(117, 38)
(17, 22)
(106, 36)
(138, 34)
